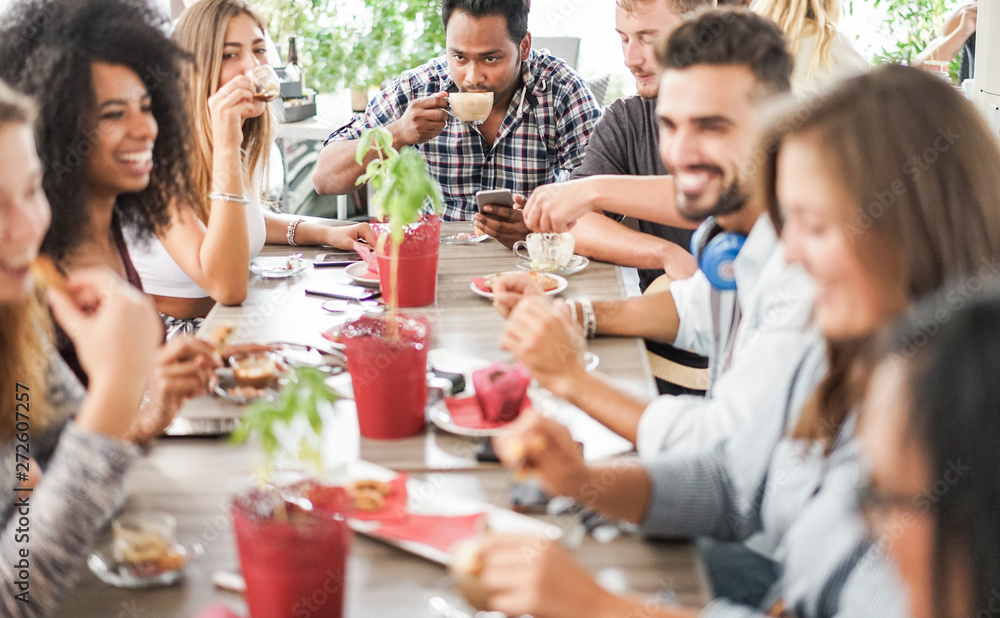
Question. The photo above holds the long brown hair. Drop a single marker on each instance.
(24, 324)
(201, 31)
(921, 166)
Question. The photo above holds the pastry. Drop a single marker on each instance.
(500, 391)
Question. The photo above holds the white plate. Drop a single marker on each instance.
(356, 273)
(427, 499)
(227, 381)
(576, 264)
(442, 418)
(109, 571)
(453, 239)
(276, 267)
(562, 283)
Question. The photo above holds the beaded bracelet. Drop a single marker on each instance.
(589, 319)
(228, 197)
(290, 234)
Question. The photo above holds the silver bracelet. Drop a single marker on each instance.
(290, 234)
(228, 197)
(589, 319)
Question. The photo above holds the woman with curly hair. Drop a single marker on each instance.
(199, 259)
(77, 437)
(112, 136)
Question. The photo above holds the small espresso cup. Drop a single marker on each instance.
(471, 106)
(546, 251)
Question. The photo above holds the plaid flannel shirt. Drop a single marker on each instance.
(541, 140)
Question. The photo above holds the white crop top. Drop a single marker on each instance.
(163, 277)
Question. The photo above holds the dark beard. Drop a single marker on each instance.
(732, 200)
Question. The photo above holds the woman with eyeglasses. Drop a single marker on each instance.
(930, 429)
(883, 202)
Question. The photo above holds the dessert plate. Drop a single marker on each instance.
(561, 285)
(278, 267)
(359, 274)
(102, 564)
(441, 417)
(576, 264)
(464, 238)
(425, 498)
(228, 389)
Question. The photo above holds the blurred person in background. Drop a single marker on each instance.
(929, 429)
(77, 439)
(112, 136)
(823, 55)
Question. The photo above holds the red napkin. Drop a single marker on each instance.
(437, 531)
(480, 282)
(395, 504)
(465, 411)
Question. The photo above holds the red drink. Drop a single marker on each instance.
(294, 562)
(389, 374)
(418, 259)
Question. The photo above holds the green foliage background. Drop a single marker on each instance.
(356, 43)
(913, 25)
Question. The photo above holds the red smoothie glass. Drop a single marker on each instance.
(418, 262)
(294, 561)
(389, 374)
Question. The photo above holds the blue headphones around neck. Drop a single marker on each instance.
(715, 249)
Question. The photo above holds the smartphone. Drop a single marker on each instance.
(500, 197)
(342, 290)
(528, 497)
(329, 260)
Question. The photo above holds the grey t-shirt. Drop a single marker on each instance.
(625, 143)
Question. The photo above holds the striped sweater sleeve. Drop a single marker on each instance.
(82, 485)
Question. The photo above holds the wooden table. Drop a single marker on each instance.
(194, 479)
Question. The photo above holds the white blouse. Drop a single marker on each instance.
(162, 276)
(845, 62)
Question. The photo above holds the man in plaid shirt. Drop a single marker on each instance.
(536, 133)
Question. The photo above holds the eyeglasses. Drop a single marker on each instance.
(877, 506)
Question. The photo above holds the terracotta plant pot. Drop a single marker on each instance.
(418, 262)
(389, 374)
(294, 561)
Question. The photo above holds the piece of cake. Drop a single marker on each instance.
(500, 390)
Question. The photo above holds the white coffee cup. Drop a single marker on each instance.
(471, 106)
(546, 251)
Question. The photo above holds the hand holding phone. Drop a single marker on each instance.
(497, 197)
(504, 221)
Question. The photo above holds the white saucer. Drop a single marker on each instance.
(277, 267)
(470, 239)
(358, 273)
(562, 284)
(439, 416)
(103, 565)
(576, 264)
